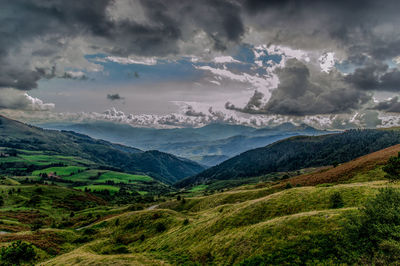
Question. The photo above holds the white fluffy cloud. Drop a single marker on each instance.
(20, 100)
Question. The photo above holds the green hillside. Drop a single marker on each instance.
(161, 166)
(294, 226)
(29, 167)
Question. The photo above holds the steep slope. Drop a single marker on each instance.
(298, 152)
(164, 167)
(348, 170)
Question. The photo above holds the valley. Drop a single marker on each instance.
(69, 208)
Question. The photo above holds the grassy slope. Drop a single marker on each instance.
(79, 170)
(362, 166)
(55, 203)
(226, 233)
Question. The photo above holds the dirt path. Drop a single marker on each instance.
(152, 207)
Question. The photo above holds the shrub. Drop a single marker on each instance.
(376, 232)
(288, 186)
(186, 221)
(37, 224)
(336, 200)
(16, 253)
(392, 168)
(89, 231)
(34, 200)
(160, 227)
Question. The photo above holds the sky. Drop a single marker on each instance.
(181, 63)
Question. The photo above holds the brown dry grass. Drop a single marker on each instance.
(25, 217)
(48, 241)
(347, 170)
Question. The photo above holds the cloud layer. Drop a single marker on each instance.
(307, 58)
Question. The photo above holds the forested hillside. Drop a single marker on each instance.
(297, 153)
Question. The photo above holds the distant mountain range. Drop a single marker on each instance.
(161, 166)
(208, 145)
(296, 153)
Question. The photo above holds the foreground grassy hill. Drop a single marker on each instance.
(161, 166)
(297, 153)
(294, 226)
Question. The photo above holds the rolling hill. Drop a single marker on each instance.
(255, 224)
(297, 153)
(161, 166)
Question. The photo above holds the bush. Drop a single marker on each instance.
(336, 200)
(376, 233)
(34, 200)
(160, 227)
(288, 186)
(37, 224)
(16, 253)
(186, 221)
(392, 168)
(381, 217)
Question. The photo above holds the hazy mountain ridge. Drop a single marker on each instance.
(221, 141)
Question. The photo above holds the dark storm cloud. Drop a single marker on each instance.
(392, 105)
(375, 77)
(300, 94)
(365, 32)
(56, 22)
(114, 97)
(356, 26)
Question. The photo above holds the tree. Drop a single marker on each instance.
(160, 227)
(336, 200)
(392, 168)
(376, 230)
(16, 253)
(34, 200)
